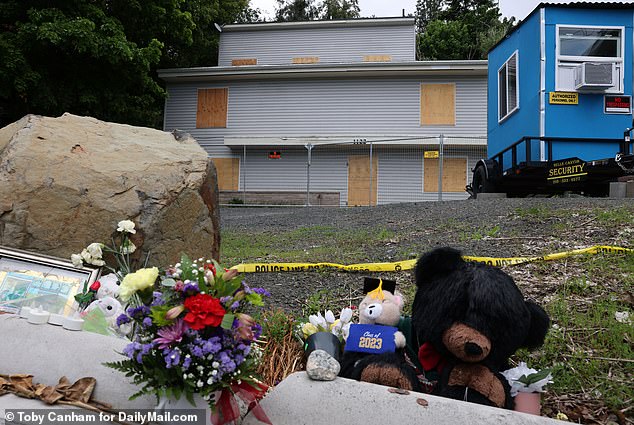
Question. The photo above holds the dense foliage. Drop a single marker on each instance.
(307, 10)
(458, 29)
(99, 57)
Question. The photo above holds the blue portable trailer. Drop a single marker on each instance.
(560, 102)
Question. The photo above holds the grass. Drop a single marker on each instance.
(591, 352)
(333, 245)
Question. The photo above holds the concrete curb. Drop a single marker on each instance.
(299, 400)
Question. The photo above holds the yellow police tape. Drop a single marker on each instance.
(409, 264)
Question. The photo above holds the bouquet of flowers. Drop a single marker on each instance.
(327, 323)
(192, 336)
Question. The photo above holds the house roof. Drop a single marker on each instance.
(571, 5)
(332, 23)
(383, 69)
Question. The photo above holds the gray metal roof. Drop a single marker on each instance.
(334, 23)
(394, 69)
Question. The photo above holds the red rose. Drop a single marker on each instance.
(95, 286)
(203, 310)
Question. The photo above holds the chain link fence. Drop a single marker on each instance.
(357, 173)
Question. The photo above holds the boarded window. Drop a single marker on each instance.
(438, 104)
(228, 170)
(359, 180)
(454, 175)
(247, 61)
(377, 58)
(212, 108)
(306, 59)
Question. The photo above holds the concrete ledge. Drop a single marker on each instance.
(299, 400)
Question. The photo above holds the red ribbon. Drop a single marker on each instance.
(227, 410)
(430, 359)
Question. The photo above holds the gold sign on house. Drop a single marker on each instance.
(430, 154)
(563, 98)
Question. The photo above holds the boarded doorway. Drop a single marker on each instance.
(228, 170)
(359, 191)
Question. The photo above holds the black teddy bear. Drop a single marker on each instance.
(469, 318)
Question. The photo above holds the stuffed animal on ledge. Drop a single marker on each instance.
(374, 349)
(469, 319)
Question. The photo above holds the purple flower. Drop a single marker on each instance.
(191, 289)
(138, 312)
(123, 319)
(262, 292)
(170, 334)
(172, 358)
(147, 322)
(130, 349)
(157, 298)
(186, 363)
(235, 305)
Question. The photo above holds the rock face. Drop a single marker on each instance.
(65, 182)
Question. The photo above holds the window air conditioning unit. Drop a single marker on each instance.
(594, 76)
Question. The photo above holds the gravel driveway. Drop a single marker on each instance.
(492, 228)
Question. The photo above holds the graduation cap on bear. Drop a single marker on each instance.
(374, 287)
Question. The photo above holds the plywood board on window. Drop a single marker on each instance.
(359, 191)
(245, 61)
(306, 59)
(438, 104)
(454, 174)
(228, 171)
(377, 58)
(212, 108)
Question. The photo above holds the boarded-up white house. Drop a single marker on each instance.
(340, 110)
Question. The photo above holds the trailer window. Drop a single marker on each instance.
(593, 42)
(579, 44)
(508, 89)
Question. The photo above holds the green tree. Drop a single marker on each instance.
(461, 29)
(99, 57)
(426, 11)
(339, 9)
(296, 10)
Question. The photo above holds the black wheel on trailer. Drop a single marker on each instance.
(481, 184)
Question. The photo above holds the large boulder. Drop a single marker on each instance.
(65, 182)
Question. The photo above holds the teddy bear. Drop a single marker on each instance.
(376, 353)
(469, 318)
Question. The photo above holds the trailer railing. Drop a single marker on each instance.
(625, 147)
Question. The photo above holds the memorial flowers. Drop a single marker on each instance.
(327, 323)
(193, 336)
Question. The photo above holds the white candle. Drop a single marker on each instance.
(56, 319)
(38, 316)
(24, 312)
(73, 323)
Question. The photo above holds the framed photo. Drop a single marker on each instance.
(33, 280)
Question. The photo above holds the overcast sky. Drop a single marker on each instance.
(386, 8)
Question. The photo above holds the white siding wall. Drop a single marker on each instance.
(354, 107)
(344, 107)
(331, 45)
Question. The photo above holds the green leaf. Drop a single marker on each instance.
(169, 282)
(255, 299)
(227, 321)
(534, 377)
(227, 288)
(158, 314)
